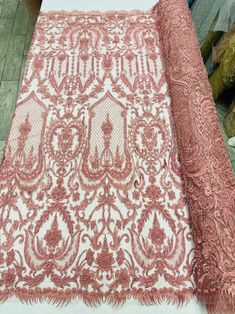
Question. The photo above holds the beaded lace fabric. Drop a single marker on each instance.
(94, 201)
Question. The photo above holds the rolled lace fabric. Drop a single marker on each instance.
(209, 182)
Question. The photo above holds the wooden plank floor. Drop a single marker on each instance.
(17, 21)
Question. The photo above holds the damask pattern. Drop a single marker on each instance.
(92, 200)
(208, 178)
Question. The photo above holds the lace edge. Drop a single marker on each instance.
(66, 296)
(102, 13)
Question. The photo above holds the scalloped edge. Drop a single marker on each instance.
(64, 297)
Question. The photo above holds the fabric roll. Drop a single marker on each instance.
(115, 182)
(208, 178)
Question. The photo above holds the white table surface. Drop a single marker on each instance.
(13, 305)
(100, 5)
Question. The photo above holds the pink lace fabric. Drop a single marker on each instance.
(92, 194)
(208, 178)
(92, 201)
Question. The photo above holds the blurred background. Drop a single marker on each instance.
(215, 26)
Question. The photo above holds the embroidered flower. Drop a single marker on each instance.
(61, 57)
(160, 266)
(95, 160)
(105, 259)
(10, 257)
(153, 56)
(40, 196)
(69, 101)
(120, 257)
(65, 139)
(25, 127)
(130, 56)
(136, 195)
(153, 192)
(160, 97)
(149, 137)
(53, 236)
(58, 193)
(116, 39)
(107, 62)
(24, 130)
(8, 199)
(157, 234)
(118, 161)
(89, 257)
(171, 195)
(107, 126)
(86, 278)
(152, 179)
(54, 99)
(76, 196)
(131, 98)
(123, 278)
(8, 277)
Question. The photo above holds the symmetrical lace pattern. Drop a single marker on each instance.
(92, 202)
(91, 190)
(208, 178)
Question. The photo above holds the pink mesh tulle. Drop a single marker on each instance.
(115, 182)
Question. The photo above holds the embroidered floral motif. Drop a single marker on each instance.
(53, 235)
(157, 234)
(105, 259)
(91, 193)
(8, 277)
